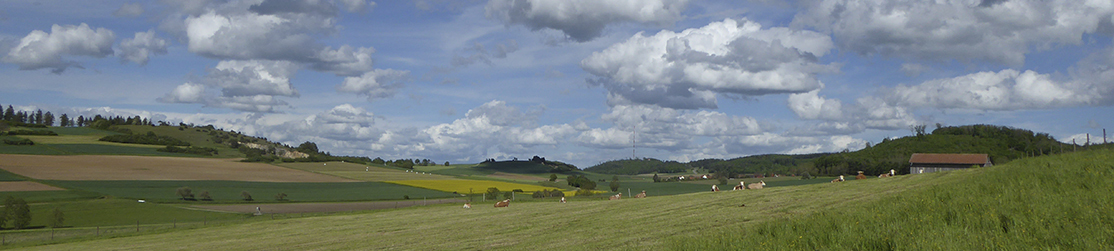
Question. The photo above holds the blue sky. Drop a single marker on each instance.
(573, 80)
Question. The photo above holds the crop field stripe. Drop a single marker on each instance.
(463, 186)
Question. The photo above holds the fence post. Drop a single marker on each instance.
(52, 234)
(136, 226)
(98, 230)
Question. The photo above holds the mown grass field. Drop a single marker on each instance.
(1046, 203)
(360, 172)
(1056, 202)
(116, 212)
(229, 191)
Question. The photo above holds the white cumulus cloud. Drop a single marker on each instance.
(688, 69)
(965, 30)
(140, 48)
(39, 49)
(584, 20)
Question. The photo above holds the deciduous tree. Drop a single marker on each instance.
(58, 220)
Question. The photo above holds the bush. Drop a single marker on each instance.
(205, 196)
(148, 139)
(246, 196)
(280, 197)
(206, 151)
(508, 195)
(492, 193)
(33, 132)
(19, 142)
(584, 192)
(186, 193)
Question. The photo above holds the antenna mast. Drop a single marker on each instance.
(634, 144)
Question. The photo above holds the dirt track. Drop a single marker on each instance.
(324, 207)
(112, 167)
(21, 186)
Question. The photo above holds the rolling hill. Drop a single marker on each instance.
(1024, 204)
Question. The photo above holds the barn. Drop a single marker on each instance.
(938, 162)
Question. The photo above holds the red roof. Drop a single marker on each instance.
(945, 158)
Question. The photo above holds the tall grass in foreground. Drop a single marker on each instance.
(1054, 202)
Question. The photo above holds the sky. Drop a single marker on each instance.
(578, 81)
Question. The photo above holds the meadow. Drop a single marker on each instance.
(1052, 202)
(229, 191)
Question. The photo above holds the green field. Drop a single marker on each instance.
(359, 171)
(82, 141)
(1052, 202)
(116, 212)
(1055, 202)
(196, 136)
(464, 186)
(51, 196)
(229, 191)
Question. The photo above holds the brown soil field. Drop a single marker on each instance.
(323, 207)
(515, 176)
(23, 186)
(112, 167)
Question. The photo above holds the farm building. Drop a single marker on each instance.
(938, 162)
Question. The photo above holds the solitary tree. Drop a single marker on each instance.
(59, 218)
(446, 163)
(552, 177)
(246, 195)
(614, 183)
(656, 178)
(6, 212)
(280, 196)
(205, 195)
(186, 193)
(20, 214)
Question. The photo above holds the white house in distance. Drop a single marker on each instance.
(938, 162)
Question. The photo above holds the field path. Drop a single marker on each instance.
(113, 167)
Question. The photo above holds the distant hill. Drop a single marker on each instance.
(638, 166)
(1001, 143)
(177, 140)
(760, 164)
(535, 165)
